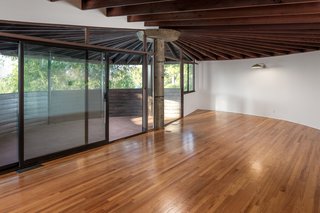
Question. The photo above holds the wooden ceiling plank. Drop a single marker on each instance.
(279, 45)
(282, 44)
(204, 51)
(298, 45)
(313, 42)
(270, 34)
(132, 45)
(237, 53)
(267, 27)
(271, 48)
(267, 45)
(272, 38)
(272, 10)
(191, 50)
(265, 20)
(218, 51)
(188, 5)
(118, 45)
(258, 52)
(94, 4)
(110, 42)
(187, 52)
(233, 43)
(131, 57)
(208, 49)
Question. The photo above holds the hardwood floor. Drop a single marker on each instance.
(207, 162)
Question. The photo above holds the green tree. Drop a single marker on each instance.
(67, 74)
(125, 76)
(8, 74)
(172, 76)
(35, 74)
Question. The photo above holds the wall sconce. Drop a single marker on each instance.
(259, 66)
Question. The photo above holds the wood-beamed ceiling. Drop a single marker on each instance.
(227, 29)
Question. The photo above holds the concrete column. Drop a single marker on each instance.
(159, 58)
(160, 36)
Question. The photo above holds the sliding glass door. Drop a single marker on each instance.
(54, 100)
(58, 99)
(172, 92)
(125, 96)
(9, 103)
(97, 97)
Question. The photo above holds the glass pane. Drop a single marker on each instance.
(125, 95)
(191, 76)
(54, 100)
(172, 92)
(96, 97)
(9, 103)
(150, 94)
(186, 77)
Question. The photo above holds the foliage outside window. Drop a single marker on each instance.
(96, 76)
(189, 78)
(65, 75)
(8, 74)
(125, 76)
(172, 76)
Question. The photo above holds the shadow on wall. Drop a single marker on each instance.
(76, 3)
(231, 103)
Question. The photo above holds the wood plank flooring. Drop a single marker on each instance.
(207, 162)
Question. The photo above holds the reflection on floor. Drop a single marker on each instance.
(47, 139)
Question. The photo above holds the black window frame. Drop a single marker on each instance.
(188, 78)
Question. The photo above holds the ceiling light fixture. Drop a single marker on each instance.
(259, 66)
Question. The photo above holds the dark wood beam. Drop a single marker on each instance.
(291, 19)
(266, 27)
(273, 10)
(93, 4)
(189, 5)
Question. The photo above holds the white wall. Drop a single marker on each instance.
(289, 89)
(194, 101)
(60, 12)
